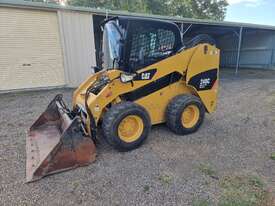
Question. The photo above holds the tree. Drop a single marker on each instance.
(201, 9)
(209, 9)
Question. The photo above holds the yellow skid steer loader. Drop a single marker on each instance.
(147, 77)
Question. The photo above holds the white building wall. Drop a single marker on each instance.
(77, 35)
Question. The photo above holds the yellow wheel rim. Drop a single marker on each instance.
(190, 116)
(130, 128)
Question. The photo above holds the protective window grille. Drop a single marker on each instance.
(149, 45)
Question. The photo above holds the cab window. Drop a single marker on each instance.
(149, 45)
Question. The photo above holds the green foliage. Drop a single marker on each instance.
(272, 156)
(202, 9)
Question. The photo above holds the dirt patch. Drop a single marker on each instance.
(237, 138)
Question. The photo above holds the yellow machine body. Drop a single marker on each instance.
(188, 63)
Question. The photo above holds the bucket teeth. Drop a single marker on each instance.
(55, 143)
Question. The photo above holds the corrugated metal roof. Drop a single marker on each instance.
(44, 6)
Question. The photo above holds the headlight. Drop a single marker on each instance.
(124, 77)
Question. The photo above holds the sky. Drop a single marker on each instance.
(251, 11)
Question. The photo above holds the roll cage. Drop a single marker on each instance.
(142, 42)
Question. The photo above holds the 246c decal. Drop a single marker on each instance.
(204, 80)
(204, 83)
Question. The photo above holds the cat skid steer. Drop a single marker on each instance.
(147, 77)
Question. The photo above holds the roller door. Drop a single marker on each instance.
(30, 49)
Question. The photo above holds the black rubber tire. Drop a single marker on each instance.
(174, 111)
(113, 117)
(200, 39)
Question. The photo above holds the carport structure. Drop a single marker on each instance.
(242, 45)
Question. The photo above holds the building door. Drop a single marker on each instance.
(30, 49)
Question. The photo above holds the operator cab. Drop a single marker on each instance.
(130, 44)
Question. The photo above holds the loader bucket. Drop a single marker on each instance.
(55, 142)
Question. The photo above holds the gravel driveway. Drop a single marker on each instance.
(237, 139)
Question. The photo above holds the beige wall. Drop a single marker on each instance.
(77, 35)
(30, 49)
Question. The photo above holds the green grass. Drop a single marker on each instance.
(75, 184)
(201, 203)
(272, 156)
(242, 191)
(146, 188)
(166, 179)
(208, 170)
